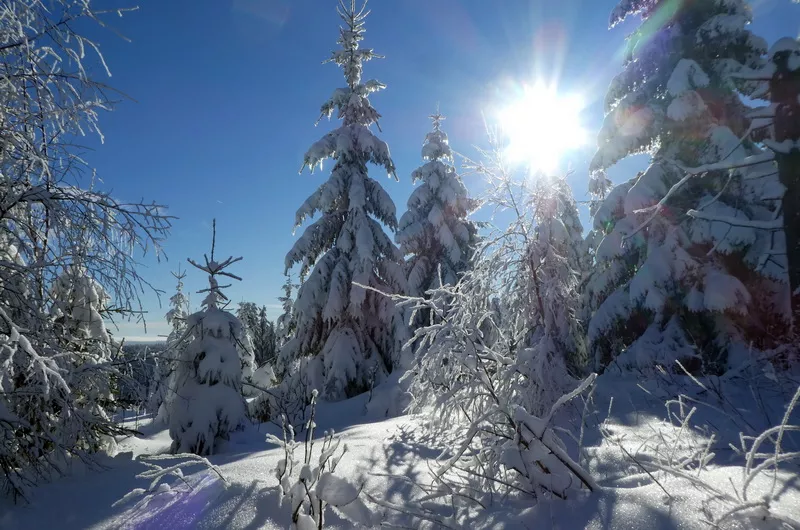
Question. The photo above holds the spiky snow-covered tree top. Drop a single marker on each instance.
(348, 328)
(234, 330)
(349, 197)
(657, 269)
(435, 231)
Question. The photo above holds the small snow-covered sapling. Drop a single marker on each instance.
(311, 485)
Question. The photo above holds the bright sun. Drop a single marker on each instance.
(542, 126)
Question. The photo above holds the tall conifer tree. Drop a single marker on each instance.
(349, 330)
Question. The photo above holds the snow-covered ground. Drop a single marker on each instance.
(384, 453)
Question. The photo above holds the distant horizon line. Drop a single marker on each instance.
(143, 340)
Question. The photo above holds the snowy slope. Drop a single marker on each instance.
(397, 448)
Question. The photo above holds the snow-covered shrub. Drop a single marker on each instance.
(309, 485)
(161, 394)
(494, 400)
(78, 301)
(287, 399)
(352, 333)
(264, 376)
(42, 422)
(503, 350)
(536, 262)
(208, 403)
(260, 408)
(136, 366)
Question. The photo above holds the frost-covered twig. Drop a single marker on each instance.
(773, 225)
(156, 473)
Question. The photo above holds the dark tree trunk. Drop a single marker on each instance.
(789, 171)
(785, 93)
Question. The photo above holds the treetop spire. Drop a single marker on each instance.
(437, 118)
(214, 269)
(350, 58)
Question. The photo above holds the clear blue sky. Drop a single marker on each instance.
(227, 92)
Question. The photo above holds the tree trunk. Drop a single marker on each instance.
(785, 93)
(789, 171)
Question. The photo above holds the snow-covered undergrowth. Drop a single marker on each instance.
(652, 464)
(726, 445)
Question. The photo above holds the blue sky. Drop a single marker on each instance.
(227, 92)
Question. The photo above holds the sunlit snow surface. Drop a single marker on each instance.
(378, 447)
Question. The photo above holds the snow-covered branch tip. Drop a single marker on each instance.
(752, 160)
(773, 225)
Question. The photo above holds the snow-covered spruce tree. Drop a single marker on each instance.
(247, 313)
(285, 325)
(266, 344)
(776, 126)
(260, 329)
(599, 187)
(264, 339)
(48, 220)
(784, 142)
(178, 310)
(435, 234)
(165, 362)
(666, 285)
(208, 403)
(351, 332)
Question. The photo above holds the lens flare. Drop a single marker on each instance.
(541, 126)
